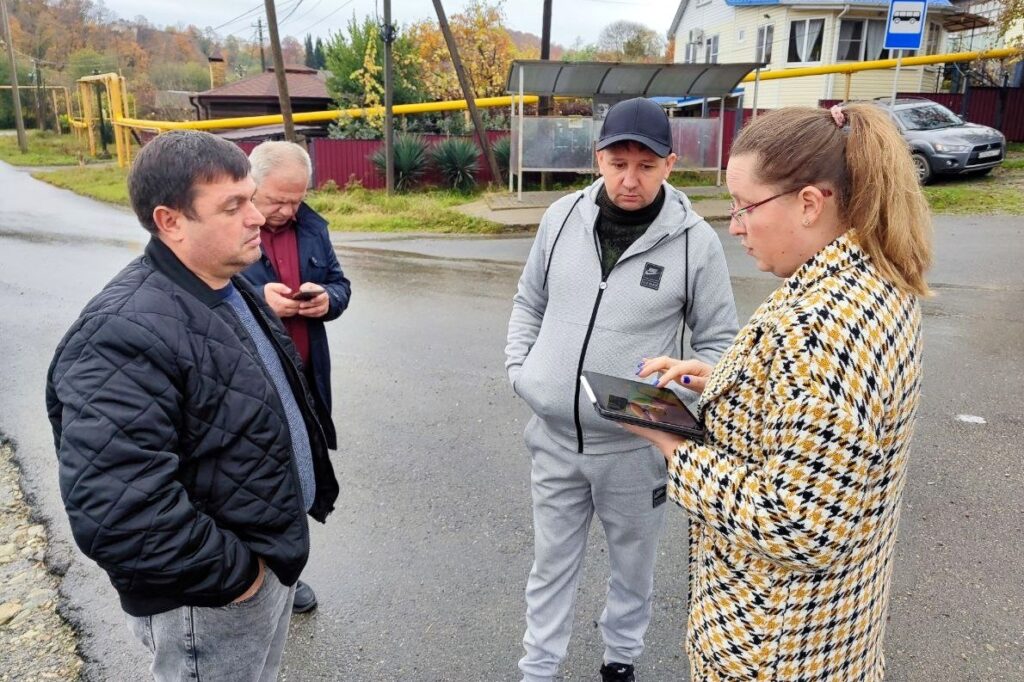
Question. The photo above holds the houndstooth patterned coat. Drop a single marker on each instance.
(794, 498)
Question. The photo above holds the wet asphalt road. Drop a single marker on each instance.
(420, 570)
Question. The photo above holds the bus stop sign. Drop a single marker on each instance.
(905, 28)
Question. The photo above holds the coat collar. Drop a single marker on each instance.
(843, 253)
(164, 261)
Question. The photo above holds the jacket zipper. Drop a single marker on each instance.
(601, 288)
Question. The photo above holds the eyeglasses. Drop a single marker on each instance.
(738, 213)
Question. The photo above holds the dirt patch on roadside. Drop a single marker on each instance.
(35, 642)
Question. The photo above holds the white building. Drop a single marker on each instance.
(799, 33)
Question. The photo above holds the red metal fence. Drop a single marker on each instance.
(344, 161)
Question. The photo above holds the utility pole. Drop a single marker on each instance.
(40, 107)
(19, 122)
(282, 80)
(263, 56)
(467, 92)
(388, 35)
(544, 108)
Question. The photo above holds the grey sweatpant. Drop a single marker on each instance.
(627, 491)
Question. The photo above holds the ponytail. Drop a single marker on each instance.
(869, 166)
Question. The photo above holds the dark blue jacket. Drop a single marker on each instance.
(317, 264)
(173, 447)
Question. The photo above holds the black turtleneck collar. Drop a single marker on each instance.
(642, 216)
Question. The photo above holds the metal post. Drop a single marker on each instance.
(849, 82)
(520, 142)
(721, 139)
(757, 86)
(19, 121)
(388, 36)
(896, 79)
(511, 122)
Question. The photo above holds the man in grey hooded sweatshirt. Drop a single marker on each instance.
(615, 272)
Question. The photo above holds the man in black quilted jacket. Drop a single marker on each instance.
(188, 445)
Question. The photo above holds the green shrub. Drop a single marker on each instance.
(458, 160)
(502, 148)
(410, 160)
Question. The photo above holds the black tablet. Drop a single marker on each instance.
(637, 403)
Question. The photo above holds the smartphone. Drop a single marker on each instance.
(306, 295)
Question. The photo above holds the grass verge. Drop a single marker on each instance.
(975, 198)
(106, 183)
(44, 149)
(364, 210)
(353, 210)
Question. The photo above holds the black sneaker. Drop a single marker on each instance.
(305, 598)
(617, 672)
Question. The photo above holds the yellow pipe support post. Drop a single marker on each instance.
(87, 116)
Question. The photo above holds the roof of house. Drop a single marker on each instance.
(303, 82)
(678, 18)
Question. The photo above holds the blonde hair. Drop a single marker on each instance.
(868, 165)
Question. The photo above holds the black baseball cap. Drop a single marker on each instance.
(637, 120)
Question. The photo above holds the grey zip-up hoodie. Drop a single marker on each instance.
(566, 319)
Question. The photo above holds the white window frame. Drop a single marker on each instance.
(864, 21)
(824, 23)
(761, 43)
(711, 55)
(931, 43)
(690, 52)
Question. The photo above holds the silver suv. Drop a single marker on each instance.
(942, 142)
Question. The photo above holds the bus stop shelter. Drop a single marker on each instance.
(554, 143)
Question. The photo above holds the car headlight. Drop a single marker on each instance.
(952, 147)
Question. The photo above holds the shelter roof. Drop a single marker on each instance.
(590, 79)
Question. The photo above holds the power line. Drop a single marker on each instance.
(294, 7)
(243, 15)
(321, 19)
(307, 12)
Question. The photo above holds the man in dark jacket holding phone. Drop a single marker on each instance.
(299, 277)
(188, 443)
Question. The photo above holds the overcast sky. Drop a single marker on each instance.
(570, 19)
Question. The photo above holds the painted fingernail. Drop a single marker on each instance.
(686, 380)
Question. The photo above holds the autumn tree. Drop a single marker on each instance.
(630, 42)
(485, 46)
(1011, 23)
(345, 53)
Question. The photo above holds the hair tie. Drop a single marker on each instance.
(837, 115)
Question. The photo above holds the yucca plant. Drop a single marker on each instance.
(502, 148)
(410, 160)
(458, 160)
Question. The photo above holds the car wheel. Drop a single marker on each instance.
(924, 169)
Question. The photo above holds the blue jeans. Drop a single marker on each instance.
(241, 642)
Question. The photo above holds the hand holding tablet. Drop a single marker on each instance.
(633, 402)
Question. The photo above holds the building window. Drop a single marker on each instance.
(690, 56)
(711, 50)
(805, 40)
(861, 40)
(765, 35)
(934, 36)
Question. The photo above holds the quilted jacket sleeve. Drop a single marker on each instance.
(812, 497)
(115, 402)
